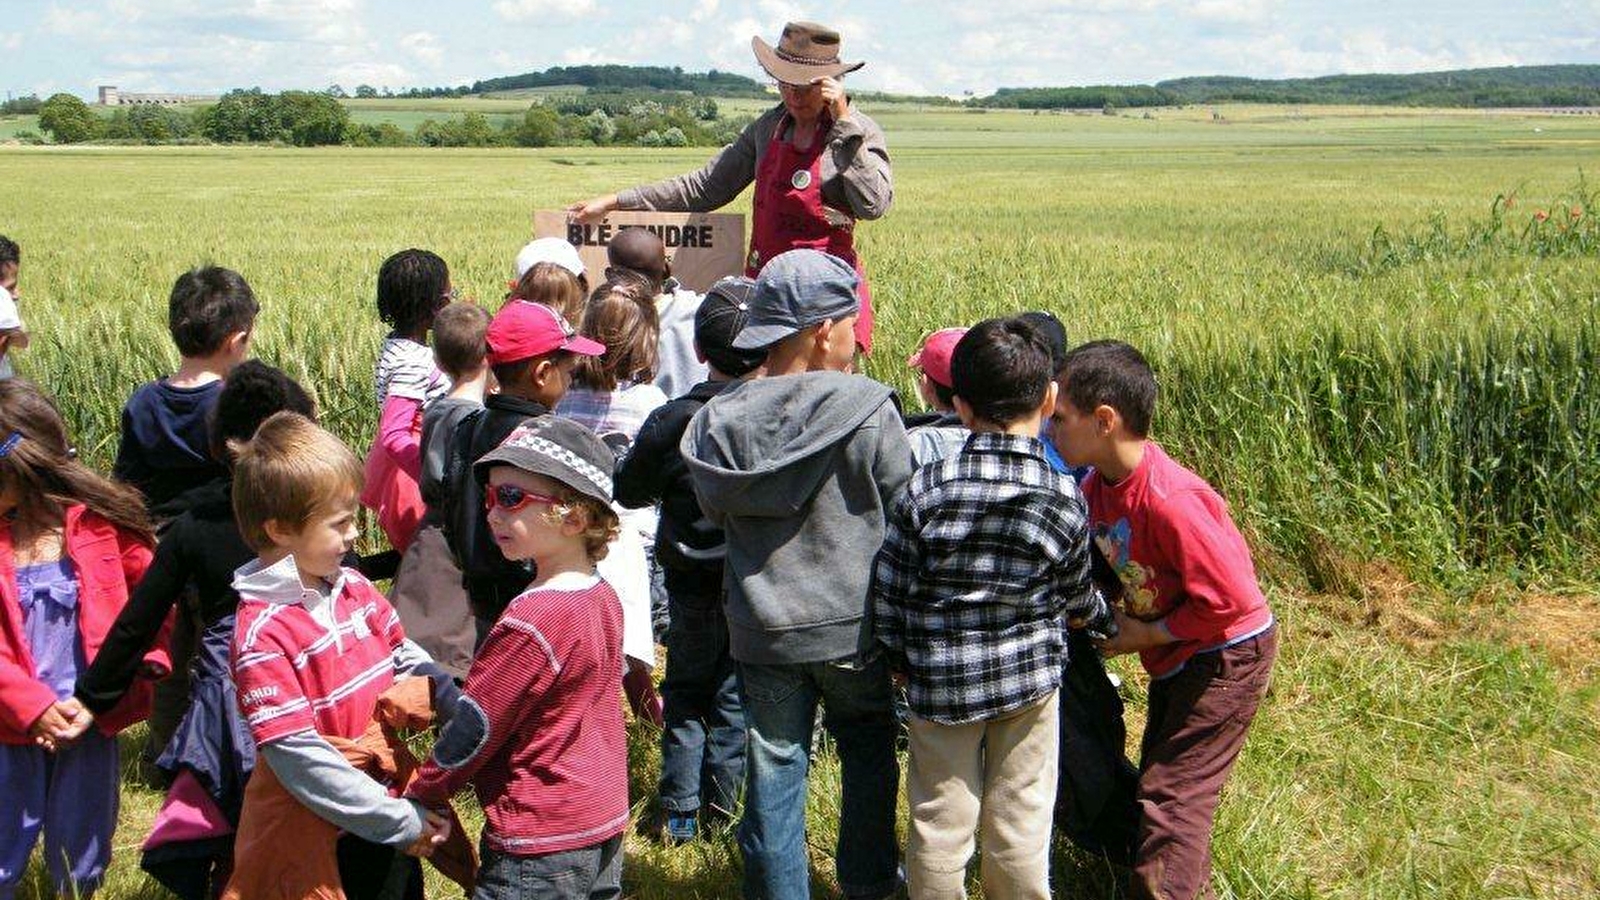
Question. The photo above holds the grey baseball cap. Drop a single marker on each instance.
(796, 290)
(559, 449)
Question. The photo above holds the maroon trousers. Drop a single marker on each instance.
(1197, 724)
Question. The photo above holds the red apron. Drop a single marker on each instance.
(789, 214)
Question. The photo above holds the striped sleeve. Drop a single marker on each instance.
(406, 369)
(269, 691)
(514, 670)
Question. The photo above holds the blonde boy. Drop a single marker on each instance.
(315, 644)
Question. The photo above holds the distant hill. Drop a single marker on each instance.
(629, 78)
(1566, 85)
(1563, 85)
(1569, 85)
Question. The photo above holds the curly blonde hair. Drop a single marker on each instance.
(601, 525)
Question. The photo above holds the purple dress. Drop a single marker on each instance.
(71, 795)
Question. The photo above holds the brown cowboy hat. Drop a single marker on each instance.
(806, 51)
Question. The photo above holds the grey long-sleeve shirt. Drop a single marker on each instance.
(856, 178)
(319, 776)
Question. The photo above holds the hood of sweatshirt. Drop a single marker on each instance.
(763, 447)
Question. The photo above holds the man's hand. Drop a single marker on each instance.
(592, 210)
(435, 831)
(833, 97)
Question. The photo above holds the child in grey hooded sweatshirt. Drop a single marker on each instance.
(798, 468)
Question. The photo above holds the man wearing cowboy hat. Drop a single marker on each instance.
(819, 165)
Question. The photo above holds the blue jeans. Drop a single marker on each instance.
(702, 745)
(780, 703)
(588, 873)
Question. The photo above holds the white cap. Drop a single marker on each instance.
(550, 250)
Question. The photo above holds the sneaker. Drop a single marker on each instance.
(681, 828)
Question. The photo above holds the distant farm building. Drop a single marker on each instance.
(111, 96)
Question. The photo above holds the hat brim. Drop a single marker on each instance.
(757, 337)
(537, 465)
(584, 346)
(796, 73)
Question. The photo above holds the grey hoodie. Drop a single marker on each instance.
(799, 472)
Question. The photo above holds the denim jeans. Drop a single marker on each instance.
(780, 703)
(702, 745)
(588, 873)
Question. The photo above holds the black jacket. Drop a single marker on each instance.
(688, 547)
(202, 547)
(491, 580)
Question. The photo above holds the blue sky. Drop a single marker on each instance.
(927, 47)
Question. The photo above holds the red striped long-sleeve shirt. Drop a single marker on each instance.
(539, 730)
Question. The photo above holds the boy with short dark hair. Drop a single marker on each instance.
(985, 555)
(799, 468)
(702, 742)
(13, 334)
(1191, 607)
(314, 646)
(428, 592)
(165, 449)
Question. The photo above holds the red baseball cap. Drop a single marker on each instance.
(934, 356)
(521, 330)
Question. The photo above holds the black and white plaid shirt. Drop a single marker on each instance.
(986, 557)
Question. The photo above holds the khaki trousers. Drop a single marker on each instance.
(997, 777)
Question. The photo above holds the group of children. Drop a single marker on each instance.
(707, 471)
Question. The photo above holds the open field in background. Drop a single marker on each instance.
(1407, 431)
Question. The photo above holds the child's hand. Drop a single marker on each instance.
(64, 722)
(435, 831)
(1134, 635)
(81, 721)
(50, 723)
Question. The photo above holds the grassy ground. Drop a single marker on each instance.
(1432, 728)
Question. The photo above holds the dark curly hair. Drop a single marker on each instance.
(254, 392)
(412, 286)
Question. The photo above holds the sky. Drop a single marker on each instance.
(210, 46)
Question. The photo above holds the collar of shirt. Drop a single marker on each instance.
(280, 583)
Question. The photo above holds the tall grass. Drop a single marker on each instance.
(1410, 446)
(1480, 452)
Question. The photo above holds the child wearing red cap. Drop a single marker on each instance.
(532, 352)
(939, 433)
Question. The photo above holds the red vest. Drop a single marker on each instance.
(789, 214)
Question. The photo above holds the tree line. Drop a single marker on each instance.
(313, 119)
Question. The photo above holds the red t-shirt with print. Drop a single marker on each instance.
(1168, 535)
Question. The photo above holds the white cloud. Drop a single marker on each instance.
(10, 40)
(588, 56)
(703, 10)
(377, 74)
(76, 23)
(424, 46)
(544, 10)
(1230, 12)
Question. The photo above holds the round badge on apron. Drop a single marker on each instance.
(801, 179)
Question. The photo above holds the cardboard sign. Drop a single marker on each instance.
(701, 247)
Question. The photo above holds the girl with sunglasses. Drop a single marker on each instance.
(538, 731)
